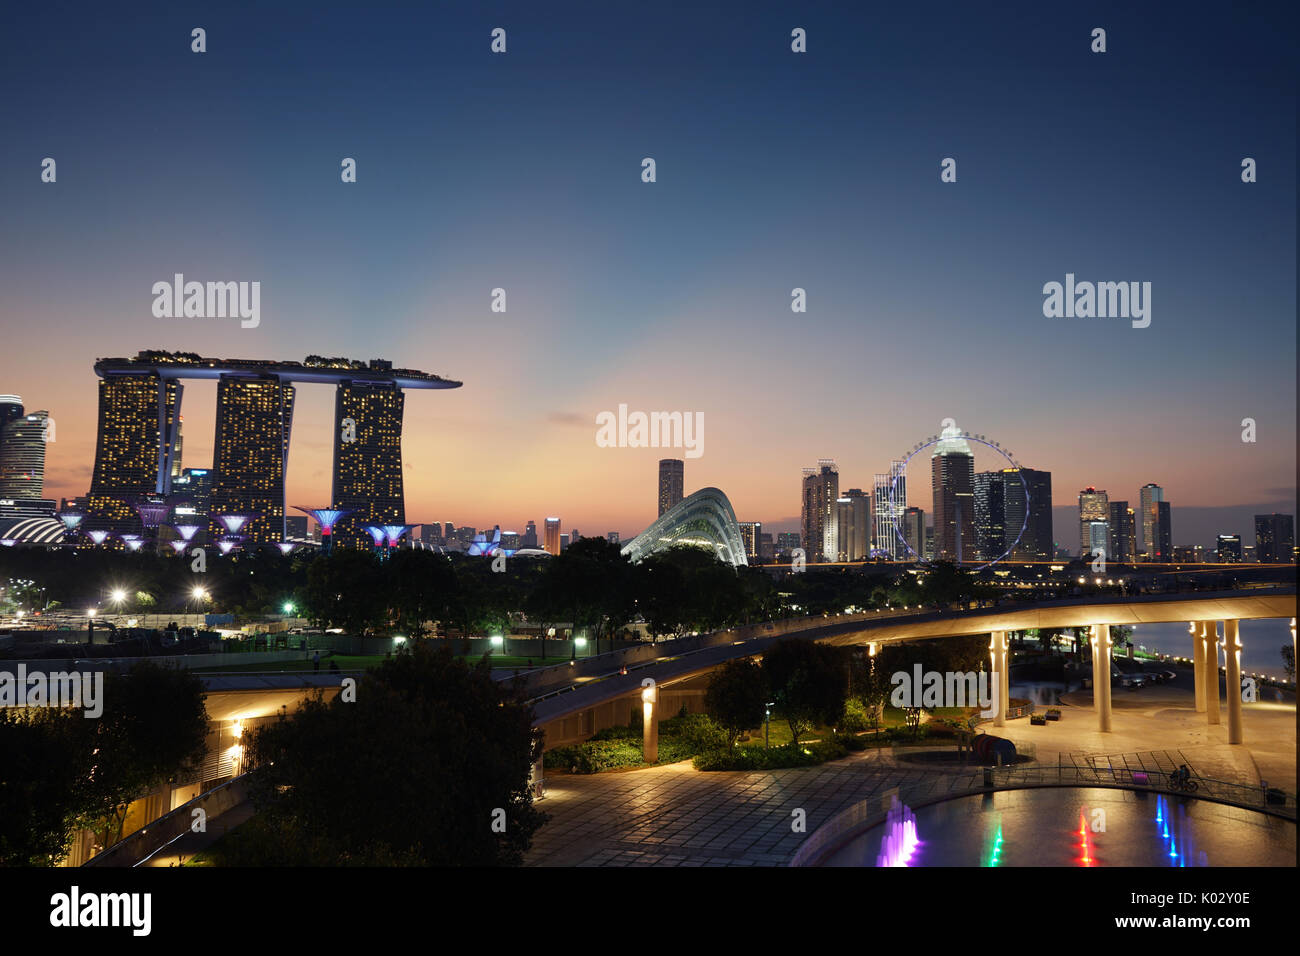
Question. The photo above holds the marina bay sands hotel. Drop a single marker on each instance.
(138, 439)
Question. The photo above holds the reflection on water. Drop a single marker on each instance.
(1081, 826)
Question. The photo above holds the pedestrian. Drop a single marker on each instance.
(315, 660)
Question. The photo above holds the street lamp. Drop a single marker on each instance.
(288, 607)
(767, 714)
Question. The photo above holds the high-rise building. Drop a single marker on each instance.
(191, 498)
(368, 479)
(929, 542)
(11, 409)
(1149, 497)
(1164, 532)
(671, 483)
(991, 515)
(564, 542)
(765, 549)
(22, 455)
(574, 536)
(889, 492)
(1036, 541)
(1229, 549)
(611, 536)
(1094, 506)
(749, 532)
(510, 540)
(553, 535)
(1122, 544)
(1098, 538)
(952, 476)
(1186, 554)
(295, 527)
(787, 541)
(821, 489)
(914, 533)
(251, 453)
(853, 519)
(138, 414)
(431, 534)
(176, 452)
(1274, 539)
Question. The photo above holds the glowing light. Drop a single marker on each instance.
(118, 596)
(70, 519)
(98, 536)
(199, 594)
(288, 607)
(377, 533)
(900, 840)
(233, 522)
(178, 546)
(286, 546)
(225, 546)
(186, 531)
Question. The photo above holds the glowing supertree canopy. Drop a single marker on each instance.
(394, 532)
(286, 546)
(70, 519)
(99, 537)
(234, 522)
(186, 531)
(132, 541)
(325, 517)
(377, 533)
(151, 513)
(225, 546)
(178, 546)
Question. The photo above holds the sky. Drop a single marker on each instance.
(774, 170)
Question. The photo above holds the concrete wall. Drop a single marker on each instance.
(124, 663)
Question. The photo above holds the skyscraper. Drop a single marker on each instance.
(1036, 541)
(179, 446)
(612, 537)
(368, 479)
(11, 408)
(671, 482)
(530, 535)
(853, 520)
(1274, 538)
(553, 535)
(952, 480)
(1164, 532)
(1094, 506)
(991, 515)
(22, 456)
(138, 414)
(1229, 549)
(890, 501)
(1149, 498)
(1123, 544)
(749, 532)
(787, 541)
(821, 489)
(914, 533)
(251, 453)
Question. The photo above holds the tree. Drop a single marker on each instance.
(416, 770)
(1288, 661)
(154, 726)
(807, 683)
(736, 698)
(45, 763)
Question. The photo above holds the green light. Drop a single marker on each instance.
(288, 607)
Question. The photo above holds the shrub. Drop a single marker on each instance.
(699, 732)
(857, 717)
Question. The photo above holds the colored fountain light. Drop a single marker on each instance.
(99, 537)
(186, 531)
(901, 839)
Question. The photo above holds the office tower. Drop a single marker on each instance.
(853, 520)
(22, 455)
(749, 532)
(465, 533)
(611, 537)
(295, 527)
(929, 542)
(671, 481)
(530, 535)
(510, 540)
(821, 489)
(133, 446)
(176, 452)
(574, 536)
(368, 481)
(1164, 532)
(952, 476)
(1036, 541)
(1098, 538)
(914, 534)
(889, 493)
(765, 549)
(990, 515)
(192, 492)
(1229, 549)
(1121, 542)
(1149, 498)
(1094, 506)
(553, 535)
(564, 542)
(1186, 554)
(11, 409)
(1274, 538)
(431, 534)
(787, 541)
(250, 454)
(449, 529)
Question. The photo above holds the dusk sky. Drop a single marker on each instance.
(775, 170)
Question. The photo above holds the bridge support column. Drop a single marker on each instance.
(1000, 670)
(1232, 652)
(1101, 675)
(1211, 673)
(1198, 662)
(650, 723)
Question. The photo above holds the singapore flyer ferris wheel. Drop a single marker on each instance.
(952, 471)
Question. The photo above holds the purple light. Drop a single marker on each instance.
(178, 546)
(98, 536)
(186, 531)
(225, 546)
(900, 840)
(132, 541)
(325, 517)
(151, 514)
(8, 542)
(376, 533)
(394, 532)
(286, 546)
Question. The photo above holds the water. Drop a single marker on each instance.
(1083, 826)
(1262, 643)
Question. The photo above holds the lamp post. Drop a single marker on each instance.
(767, 715)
